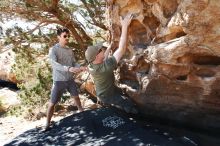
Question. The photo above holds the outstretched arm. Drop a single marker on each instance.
(108, 50)
(122, 43)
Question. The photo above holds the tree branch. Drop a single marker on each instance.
(43, 23)
(92, 15)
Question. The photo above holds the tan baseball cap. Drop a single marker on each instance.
(92, 51)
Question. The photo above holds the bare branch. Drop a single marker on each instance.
(44, 23)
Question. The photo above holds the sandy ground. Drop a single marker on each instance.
(12, 126)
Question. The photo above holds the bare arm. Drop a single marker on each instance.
(108, 51)
(122, 43)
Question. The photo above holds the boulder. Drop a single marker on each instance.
(172, 67)
(6, 62)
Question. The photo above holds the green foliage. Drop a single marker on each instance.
(31, 46)
(35, 92)
(35, 87)
(16, 110)
(31, 68)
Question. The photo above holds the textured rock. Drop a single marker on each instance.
(6, 62)
(8, 98)
(172, 66)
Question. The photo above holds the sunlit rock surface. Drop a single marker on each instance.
(6, 62)
(172, 66)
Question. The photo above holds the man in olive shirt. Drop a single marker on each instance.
(64, 66)
(101, 68)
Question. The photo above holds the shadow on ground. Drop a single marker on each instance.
(104, 126)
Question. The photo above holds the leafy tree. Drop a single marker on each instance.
(61, 12)
(84, 19)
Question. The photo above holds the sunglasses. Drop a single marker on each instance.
(100, 50)
(66, 36)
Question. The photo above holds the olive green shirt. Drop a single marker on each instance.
(103, 77)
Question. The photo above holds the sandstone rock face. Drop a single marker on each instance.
(172, 66)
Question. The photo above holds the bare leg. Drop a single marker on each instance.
(50, 112)
(78, 103)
